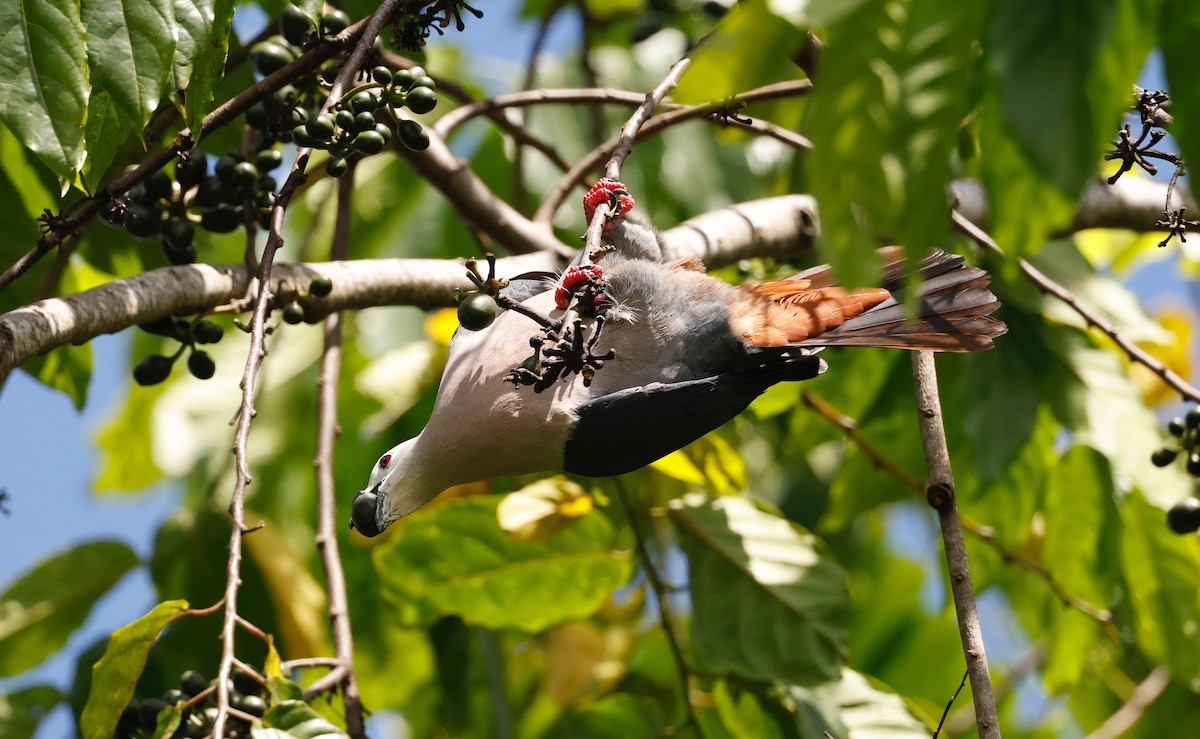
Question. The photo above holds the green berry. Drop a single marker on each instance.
(477, 311)
(268, 159)
(1163, 457)
(320, 286)
(412, 135)
(421, 100)
(344, 120)
(301, 137)
(336, 167)
(293, 313)
(271, 55)
(364, 121)
(1184, 516)
(207, 332)
(415, 73)
(364, 102)
(369, 142)
(322, 127)
(382, 75)
(334, 21)
(330, 71)
(201, 365)
(384, 132)
(295, 26)
(152, 370)
(425, 81)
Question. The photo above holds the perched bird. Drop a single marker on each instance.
(626, 360)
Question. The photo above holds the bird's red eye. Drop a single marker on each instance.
(384, 460)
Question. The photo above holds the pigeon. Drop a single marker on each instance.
(626, 358)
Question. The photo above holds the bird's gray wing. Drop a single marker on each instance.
(628, 429)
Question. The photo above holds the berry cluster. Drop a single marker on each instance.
(140, 717)
(1184, 516)
(477, 310)
(157, 367)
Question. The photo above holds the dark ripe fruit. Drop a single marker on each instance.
(384, 131)
(179, 231)
(153, 369)
(245, 684)
(142, 220)
(1193, 417)
(344, 119)
(148, 712)
(139, 194)
(329, 71)
(251, 704)
(1184, 516)
(320, 286)
(191, 172)
(207, 332)
(298, 115)
(364, 102)
(369, 142)
(265, 200)
(268, 159)
(271, 56)
(336, 167)
(1176, 427)
(322, 127)
(364, 121)
(267, 184)
(130, 718)
(1163, 457)
(245, 174)
(201, 365)
(334, 21)
(1193, 464)
(222, 219)
(257, 116)
(412, 135)
(173, 696)
(164, 326)
(295, 25)
(425, 81)
(362, 514)
(158, 185)
(293, 313)
(192, 683)
(224, 168)
(477, 311)
(382, 75)
(421, 100)
(178, 254)
(209, 193)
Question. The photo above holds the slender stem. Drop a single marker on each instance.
(1128, 714)
(493, 664)
(941, 497)
(949, 704)
(327, 431)
(665, 613)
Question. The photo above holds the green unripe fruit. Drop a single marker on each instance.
(421, 100)
(1184, 516)
(221, 219)
(344, 120)
(207, 332)
(152, 370)
(1163, 457)
(300, 136)
(477, 311)
(334, 21)
(142, 220)
(382, 75)
(425, 81)
(330, 70)
(369, 142)
(415, 73)
(364, 102)
(293, 313)
(268, 159)
(383, 131)
(322, 128)
(320, 286)
(336, 167)
(364, 121)
(295, 26)
(412, 135)
(201, 365)
(298, 115)
(191, 172)
(270, 56)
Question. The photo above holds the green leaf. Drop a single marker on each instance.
(131, 50)
(22, 173)
(44, 80)
(805, 14)
(125, 444)
(897, 83)
(40, 609)
(742, 714)
(1162, 576)
(856, 705)
(457, 559)
(106, 133)
(204, 29)
(168, 721)
(298, 719)
(618, 714)
(1180, 24)
(766, 598)
(22, 710)
(116, 674)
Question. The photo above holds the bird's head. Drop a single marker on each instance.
(395, 488)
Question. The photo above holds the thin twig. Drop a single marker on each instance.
(327, 431)
(850, 427)
(665, 613)
(941, 497)
(447, 124)
(1050, 287)
(1147, 691)
(949, 703)
(306, 662)
(254, 361)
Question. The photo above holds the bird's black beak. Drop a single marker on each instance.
(364, 513)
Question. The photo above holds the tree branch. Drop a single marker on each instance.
(1128, 714)
(941, 497)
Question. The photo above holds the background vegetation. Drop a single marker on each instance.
(772, 579)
